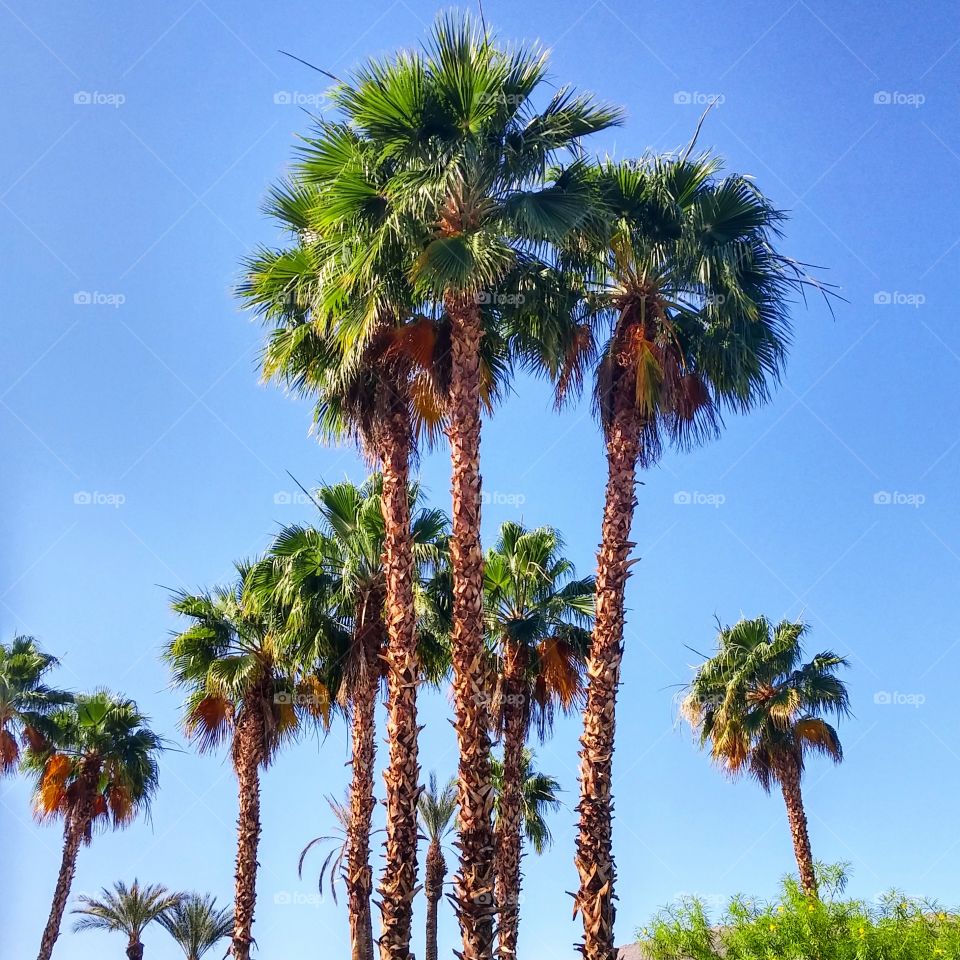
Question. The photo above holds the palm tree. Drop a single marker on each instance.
(25, 700)
(246, 681)
(538, 617)
(127, 910)
(538, 795)
(688, 300)
(466, 191)
(197, 924)
(761, 709)
(437, 808)
(97, 767)
(344, 558)
(378, 394)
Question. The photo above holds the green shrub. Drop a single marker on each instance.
(797, 927)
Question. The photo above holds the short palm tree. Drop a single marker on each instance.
(251, 681)
(538, 618)
(761, 709)
(687, 301)
(438, 811)
(126, 910)
(341, 566)
(197, 924)
(25, 699)
(96, 768)
(468, 195)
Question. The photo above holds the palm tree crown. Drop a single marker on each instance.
(758, 705)
(125, 909)
(196, 924)
(538, 797)
(25, 700)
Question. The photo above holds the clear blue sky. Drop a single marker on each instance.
(143, 199)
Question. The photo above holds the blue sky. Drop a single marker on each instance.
(140, 452)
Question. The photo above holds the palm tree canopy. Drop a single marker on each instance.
(330, 579)
(238, 653)
(757, 704)
(538, 797)
(125, 909)
(534, 601)
(25, 699)
(438, 808)
(687, 304)
(196, 923)
(101, 749)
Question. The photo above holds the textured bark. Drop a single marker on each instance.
(474, 884)
(359, 879)
(73, 836)
(248, 750)
(509, 844)
(398, 884)
(594, 858)
(436, 873)
(74, 833)
(788, 773)
(135, 950)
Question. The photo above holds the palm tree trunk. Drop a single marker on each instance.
(509, 843)
(134, 950)
(398, 884)
(247, 759)
(436, 873)
(73, 836)
(594, 859)
(359, 872)
(788, 774)
(474, 882)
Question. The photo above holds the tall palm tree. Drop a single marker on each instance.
(438, 810)
(379, 392)
(346, 556)
(197, 924)
(538, 796)
(761, 709)
(687, 312)
(25, 699)
(251, 681)
(126, 910)
(467, 191)
(538, 617)
(97, 767)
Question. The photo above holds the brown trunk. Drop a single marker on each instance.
(788, 774)
(74, 832)
(135, 950)
(508, 838)
(474, 883)
(73, 836)
(398, 884)
(359, 879)
(248, 750)
(594, 859)
(433, 890)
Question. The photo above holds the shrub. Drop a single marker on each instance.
(798, 927)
